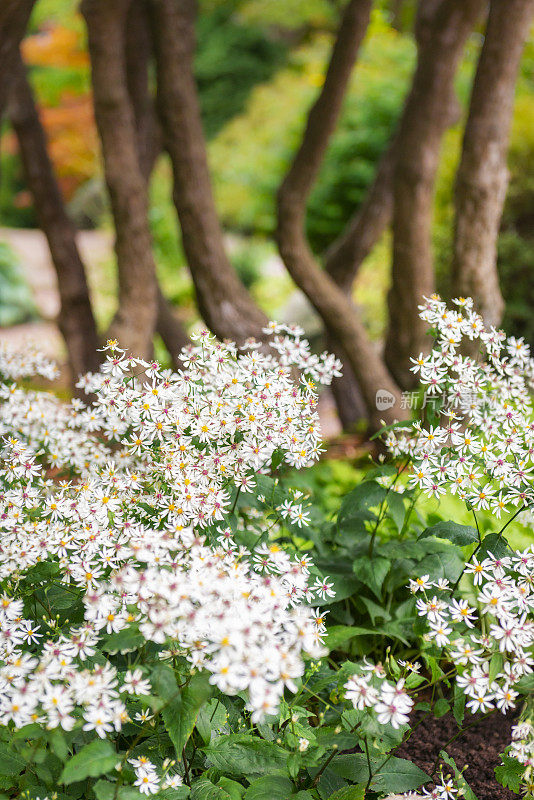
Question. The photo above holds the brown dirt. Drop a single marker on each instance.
(479, 748)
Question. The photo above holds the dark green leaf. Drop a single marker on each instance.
(182, 706)
(349, 793)
(246, 755)
(399, 775)
(462, 535)
(93, 760)
(11, 762)
(372, 572)
(204, 789)
(269, 787)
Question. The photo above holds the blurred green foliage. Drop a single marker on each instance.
(232, 57)
(251, 154)
(16, 302)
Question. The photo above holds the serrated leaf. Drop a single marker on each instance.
(399, 775)
(269, 787)
(396, 509)
(94, 759)
(204, 789)
(349, 793)
(461, 535)
(11, 763)
(182, 706)
(241, 754)
(510, 774)
(494, 544)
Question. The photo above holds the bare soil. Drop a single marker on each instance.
(479, 747)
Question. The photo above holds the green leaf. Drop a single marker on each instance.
(92, 760)
(349, 793)
(212, 716)
(339, 635)
(235, 790)
(399, 775)
(495, 544)
(182, 706)
(269, 787)
(122, 642)
(372, 572)
(462, 535)
(367, 495)
(204, 789)
(11, 762)
(241, 754)
(510, 774)
(396, 508)
(441, 707)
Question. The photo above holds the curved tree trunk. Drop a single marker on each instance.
(223, 301)
(76, 321)
(135, 319)
(482, 177)
(336, 309)
(138, 50)
(424, 120)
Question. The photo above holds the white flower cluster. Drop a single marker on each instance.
(148, 780)
(505, 601)
(123, 511)
(389, 701)
(482, 446)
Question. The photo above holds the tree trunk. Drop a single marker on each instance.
(14, 18)
(149, 144)
(336, 309)
(482, 177)
(223, 301)
(76, 321)
(135, 320)
(424, 121)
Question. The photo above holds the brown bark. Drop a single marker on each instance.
(482, 177)
(135, 319)
(76, 321)
(336, 309)
(423, 123)
(14, 18)
(138, 51)
(223, 301)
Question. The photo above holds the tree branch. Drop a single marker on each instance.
(336, 309)
(76, 321)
